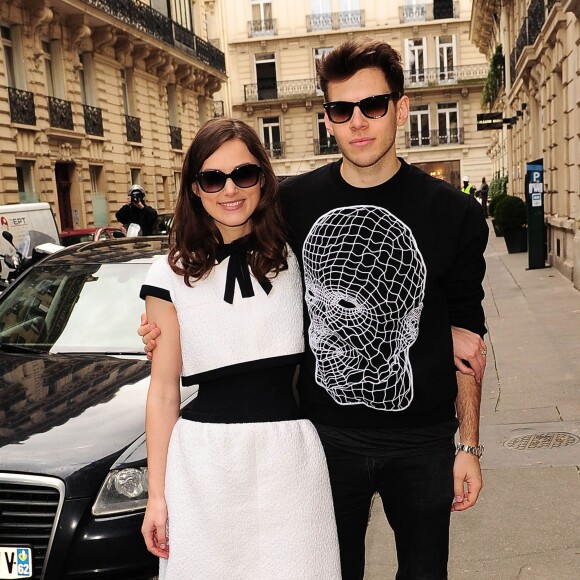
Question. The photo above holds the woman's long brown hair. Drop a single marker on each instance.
(194, 236)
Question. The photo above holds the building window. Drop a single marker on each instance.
(420, 133)
(447, 119)
(51, 89)
(318, 53)
(446, 57)
(98, 196)
(128, 90)
(135, 176)
(271, 136)
(25, 180)
(416, 54)
(326, 143)
(8, 56)
(262, 23)
(266, 76)
(177, 180)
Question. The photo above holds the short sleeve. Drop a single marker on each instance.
(158, 281)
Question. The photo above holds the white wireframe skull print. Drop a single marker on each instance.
(365, 282)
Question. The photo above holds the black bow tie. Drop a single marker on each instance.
(239, 270)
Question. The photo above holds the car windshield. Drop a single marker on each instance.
(70, 309)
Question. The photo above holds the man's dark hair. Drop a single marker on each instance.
(351, 56)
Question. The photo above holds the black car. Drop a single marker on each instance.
(73, 386)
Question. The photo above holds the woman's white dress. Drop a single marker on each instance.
(247, 485)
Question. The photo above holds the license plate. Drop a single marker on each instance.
(15, 562)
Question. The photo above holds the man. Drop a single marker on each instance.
(136, 211)
(484, 192)
(391, 258)
(468, 189)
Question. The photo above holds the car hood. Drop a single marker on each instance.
(70, 416)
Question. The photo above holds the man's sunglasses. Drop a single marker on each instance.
(373, 107)
(214, 180)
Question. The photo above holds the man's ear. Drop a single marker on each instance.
(328, 124)
(402, 110)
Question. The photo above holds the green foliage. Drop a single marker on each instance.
(493, 203)
(510, 213)
(495, 78)
(498, 186)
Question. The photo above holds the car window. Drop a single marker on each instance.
(88, 308)
(76, 239)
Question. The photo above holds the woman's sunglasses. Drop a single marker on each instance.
(214, 180)
(373, 107)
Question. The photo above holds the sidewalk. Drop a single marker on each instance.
(526, 525)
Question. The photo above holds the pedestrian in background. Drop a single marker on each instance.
(136, 211)
(468, 189)
(483, 194)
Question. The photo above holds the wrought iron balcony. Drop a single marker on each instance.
(21, 106)
(325, 146)
(93, 120)
(449, 76)
(60, 114)
(272, 90)
(425, 12)
(150, 21)
(262, 28)
(434, 138)
(133, 126)
(175, 135)
(275, 149)
(218, 109)
(335, 20)
(529, 31)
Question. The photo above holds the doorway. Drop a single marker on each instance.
(62, 172)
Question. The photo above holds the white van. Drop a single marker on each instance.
(30, 224)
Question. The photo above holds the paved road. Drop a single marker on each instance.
(526, 525)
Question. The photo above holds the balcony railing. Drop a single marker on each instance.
(424, 12)
(21, 106)
(175, 136)
(325, 147)
(335, 20)
(218, 109)
(434, 138)
(529, 31)
(150, 21)
(60, 114)
(93, 120)
(275, 149)
(262, 28)
(448, 76)
(133, 126)
(281, 90)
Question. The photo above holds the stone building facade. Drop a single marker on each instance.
(272, 46)
(539, 102)
(95, 96)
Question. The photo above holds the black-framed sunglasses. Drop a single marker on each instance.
(373, 107)
(214, 180)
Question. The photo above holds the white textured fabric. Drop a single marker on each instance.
(365, 283)
(266, 325)
(249, 502)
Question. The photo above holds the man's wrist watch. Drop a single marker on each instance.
(476, 450)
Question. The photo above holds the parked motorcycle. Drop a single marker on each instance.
(17, 263)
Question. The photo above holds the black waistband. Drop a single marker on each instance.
(252, 397)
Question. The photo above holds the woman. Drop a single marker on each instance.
(238, 485)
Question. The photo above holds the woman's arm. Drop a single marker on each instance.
(162, 413)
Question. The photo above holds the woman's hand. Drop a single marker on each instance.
(154, 528)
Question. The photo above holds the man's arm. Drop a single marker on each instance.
(469, 347)
(467, 479)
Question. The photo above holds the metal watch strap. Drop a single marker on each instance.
(474, 450)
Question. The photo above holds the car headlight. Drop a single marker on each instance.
(124, 490)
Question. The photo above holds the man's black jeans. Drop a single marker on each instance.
(417, 493)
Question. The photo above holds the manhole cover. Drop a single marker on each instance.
(542, 441)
